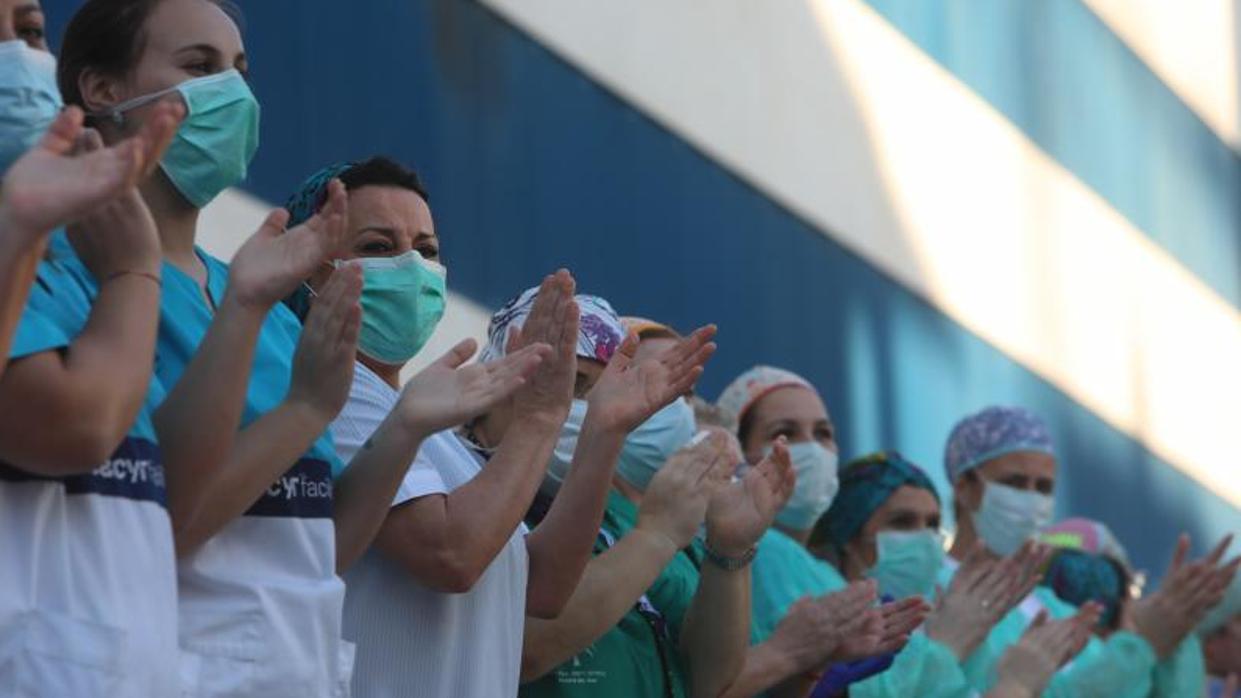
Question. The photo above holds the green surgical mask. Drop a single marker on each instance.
(908, 562)
(402, 301)
(215, 143)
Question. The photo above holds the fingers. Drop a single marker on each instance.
(158, 132)
(1179, 554)
(539, 319)
(274, 224)
(62, 135)
(624, 353)
(1217, 553)
(457, 356)
(511, 372)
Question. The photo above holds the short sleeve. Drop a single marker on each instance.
(47, 321)
(422, 479)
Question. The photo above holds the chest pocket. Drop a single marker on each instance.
(46, 654)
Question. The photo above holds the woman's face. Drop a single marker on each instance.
(182, 40)
(796, 413)
(22, 20)
(385, 221)
(909, 509)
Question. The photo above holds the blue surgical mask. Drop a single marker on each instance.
(403, 299)
(654, 441)
(817, 484)
(29, 98)
(1008, 517)
(562, 455)
(908, 562)
(215, 143)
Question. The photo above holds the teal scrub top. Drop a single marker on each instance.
(185, 316)
(1121, 666)
(56, 312)
(785, 571)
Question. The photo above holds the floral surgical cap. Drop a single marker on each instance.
(599, 332)
(991, 433)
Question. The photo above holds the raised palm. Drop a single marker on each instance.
(741, 510)
(56, 182)
(885, 629)
(628, 393)
(448, 393)
(553, 321)
(273, 262)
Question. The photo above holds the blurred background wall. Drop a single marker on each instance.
(925, 206)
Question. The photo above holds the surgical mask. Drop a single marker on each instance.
(654, 441)
(403, 299)
(817, 484)
(29, 98)
(1008, 517)
(908, 562)
(217, 139)
(562, 455)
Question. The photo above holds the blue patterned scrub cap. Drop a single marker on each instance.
(991, 433)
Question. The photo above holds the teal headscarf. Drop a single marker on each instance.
(303, 204)
(866, 483)
(1078, 576)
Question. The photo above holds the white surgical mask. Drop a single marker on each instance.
(1009, 517)
(562, 455)
(29, 98)
(817, 483)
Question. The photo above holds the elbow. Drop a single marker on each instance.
(78, 449)
(452, 573)
(533, 665)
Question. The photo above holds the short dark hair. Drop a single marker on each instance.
(109, 36)
(381, 170)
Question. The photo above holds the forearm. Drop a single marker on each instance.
(199, 419)
(362, 495)
(447, 542)
(261, 453)
(1122, 666)
(66, 412)
(611, 584)
(560, 546)
(717, 629)
(19, 262)
(765, 668)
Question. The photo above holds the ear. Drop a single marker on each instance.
(967, 491)
(99, 91)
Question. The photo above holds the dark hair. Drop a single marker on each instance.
(746, 424)
(381, 170)
(109, 36)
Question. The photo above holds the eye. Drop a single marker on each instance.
(200, 68)
(32, 34)
(429, 252)
(374, 248)
(1045, 486)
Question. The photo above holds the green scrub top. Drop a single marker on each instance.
(638, 657)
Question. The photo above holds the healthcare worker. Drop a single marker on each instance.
(392, 234)
(1003, 467)
(884, 524)
(692, 634)
(90, 598)
(250, 485)
(799, 625)
(612, 638)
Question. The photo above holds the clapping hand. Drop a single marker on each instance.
(982, 592)
(553, 320)
(628, 393)
(274, 261)
(449, 392)
(1189, 591)
(742, 509)
(57, 182)
(327, 349)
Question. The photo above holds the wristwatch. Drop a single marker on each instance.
(726, 563)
